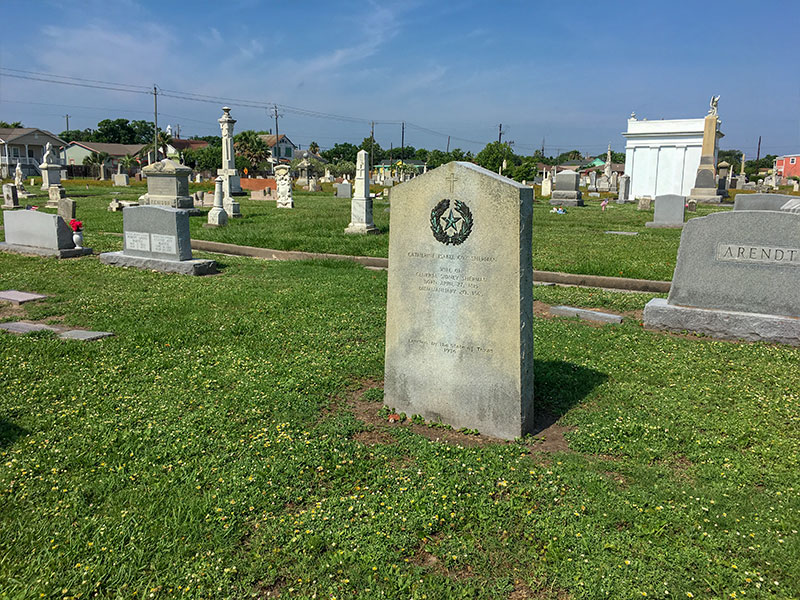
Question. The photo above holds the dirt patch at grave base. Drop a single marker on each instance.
(262, 590)
(522, 591)
(548, 435)
(11, 311)
(427, 560)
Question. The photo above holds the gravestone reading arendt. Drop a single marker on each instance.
(736, 277)
(33, 232)
(157, 238)
(168, 185)
(669, 213)
(459, 342)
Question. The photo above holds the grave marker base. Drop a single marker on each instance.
(36, 251)
(195, 266)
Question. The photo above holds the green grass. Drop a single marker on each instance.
(572, 243)
(205, 452)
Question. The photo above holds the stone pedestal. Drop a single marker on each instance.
(217, 217)
(231, 182)
(55, 194)
(705, 184)
(361, 204)
(51, 175)
(168, 185)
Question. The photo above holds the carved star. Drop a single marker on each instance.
(451, 220)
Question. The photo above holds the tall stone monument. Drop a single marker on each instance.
(217, 217)
(50, 168)
(168, 185)
(705, 184)
(231, 186)
(607, 165)
(459, 339)
(283, 182)
(361, 204)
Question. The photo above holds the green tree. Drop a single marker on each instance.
(421, 154)
(343, 167)
(618, 157)
(313, 147)
(733, 157)
(493, 155)
(76, 135)
(374, 148)
(164, 139)
(341, 152)
(204, 159)
(570, 155)
(13, 125)
(127, 161)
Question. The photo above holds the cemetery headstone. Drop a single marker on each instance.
(283, 181)
(217, 217)
(168, 185)
(66, 209)
(459, 337)
(10, 198)
(736, 277)
(760, 201)
(691, 205)
(157, 238)
(547, 185)
(343, 190)
(669, 213)
(55, 193)
(567, 190)
(624, 189)
(361, 204)
(603, 184)
(121, 180)
(705, 185)
(592, 181)
(43, 234)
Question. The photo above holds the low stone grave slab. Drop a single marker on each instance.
(622, 232)
(40, 234)
(82, 335)
(736, 277)
(23, 328)
(16, 297)
(761, 201)
(586, 315)
(157, 238)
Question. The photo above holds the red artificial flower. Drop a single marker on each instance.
(76, 225)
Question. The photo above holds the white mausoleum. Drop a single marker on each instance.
(661, 157)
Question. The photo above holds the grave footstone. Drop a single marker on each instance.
(16, 297)
(736, 277)
(34, 232)
(669, 212)
(459, 338)
(157, 238)
(760, 201)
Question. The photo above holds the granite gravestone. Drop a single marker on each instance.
(157, 238)
(736, 277)
(459, 342)
(670, 212)
(567, 189)
(168, 185)
(761, 201)
(33, 232)
(66, 209)
(10, 198)
(624, 189)
(343, 190)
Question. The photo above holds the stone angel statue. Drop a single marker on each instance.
(713, 104)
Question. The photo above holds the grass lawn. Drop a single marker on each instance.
(214, 449)
(572, 243)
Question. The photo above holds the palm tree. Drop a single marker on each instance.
(313, 147)
(126, 162)
(251, 147)
(96, 158)
(164, 139)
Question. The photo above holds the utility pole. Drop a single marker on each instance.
(155, 123)
(500, 133)
(448, 144)
(178, 131)
(403, 140)
(542, 147)
(758, 154)
(371, 143)
(67, 117)
(277, 148)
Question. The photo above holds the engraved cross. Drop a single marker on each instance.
(452, 179)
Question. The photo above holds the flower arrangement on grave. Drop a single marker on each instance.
(76, 225)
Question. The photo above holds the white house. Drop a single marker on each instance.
(282, 149)
(24, 146)
(661, 157)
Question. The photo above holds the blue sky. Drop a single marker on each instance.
(570, 74)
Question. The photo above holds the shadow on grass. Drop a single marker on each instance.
(10, 433)
(558, 386)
